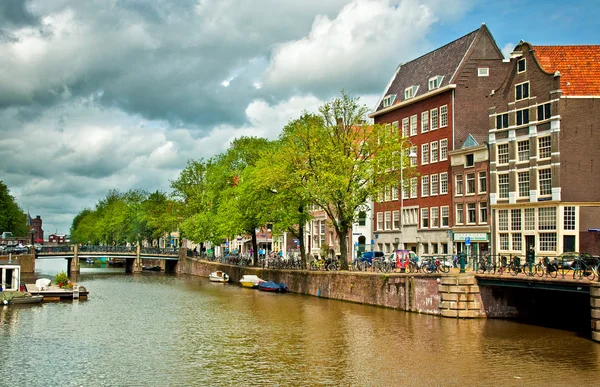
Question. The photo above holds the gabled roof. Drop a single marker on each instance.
(444, 61)
(579, 67)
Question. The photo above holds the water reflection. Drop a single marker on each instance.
(162, 329)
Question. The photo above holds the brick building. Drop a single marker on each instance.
(544, 147)
(471, 198)
(438, 100)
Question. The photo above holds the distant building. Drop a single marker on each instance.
(57, 238)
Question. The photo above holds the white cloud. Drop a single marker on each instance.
(507, 49)
(353, 48)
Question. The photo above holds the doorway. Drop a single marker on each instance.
(568, 243)
(529, 242)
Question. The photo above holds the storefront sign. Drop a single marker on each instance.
(474, 237)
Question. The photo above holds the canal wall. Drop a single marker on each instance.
(447, 295)
(27, 262)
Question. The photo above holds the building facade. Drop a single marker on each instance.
(471, 231)
(545, 191)
(438, 101)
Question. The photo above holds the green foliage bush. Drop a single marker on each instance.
(62, 280)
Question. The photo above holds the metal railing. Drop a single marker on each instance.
(106, 249)
(159, 250)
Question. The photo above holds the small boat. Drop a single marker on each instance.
(218, 276)
(250, 281)
(89, 260)
(26, 299)
(151, 268)
(270, 286)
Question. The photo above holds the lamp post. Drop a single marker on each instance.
(411, 154)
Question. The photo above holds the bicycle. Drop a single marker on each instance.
(485, 265)
(582, 269)
(434, 265)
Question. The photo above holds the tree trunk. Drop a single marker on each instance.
(254, 248)
(343, 248)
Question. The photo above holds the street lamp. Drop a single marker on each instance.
(411, 154)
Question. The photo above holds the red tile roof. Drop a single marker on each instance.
(579, 67)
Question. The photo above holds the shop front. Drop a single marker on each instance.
(472, 243)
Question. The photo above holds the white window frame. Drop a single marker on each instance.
(380, 221)
(434, 217)
(413, 125)
(443, 183)
(424, 216)
(444, 215)
(424, 153)
(394, 193)
(521, 85)
(405, 127)
(414, 187)
(411, 91)
(425, 121)
(433, 184)
(460, 209)
(483, 71)
(388, 100)
(433, 119)
(524, 65)
(413, 159)
(435, 82)
(504, 156)
(424, 185)
(471, 209)
(396, 220)
(470, 178)
(547, 190)
(546, 149)
(443, 149)
(522, 151)
(483, 213)
(388, 220)
(459, 189)
(443, 116)
(433, 150)
(521, 181)
(502, 185)
(482, 178)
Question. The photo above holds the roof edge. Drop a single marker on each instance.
(412, 100)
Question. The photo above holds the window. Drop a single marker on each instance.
(503, 186)
(482, 181)
(523, 179)
(434, 184)
(413, 159)
(424, 217)
(443, 149)
(445, 216)
(424, 154)
(380, 221)
(503, 241)
(433, 114)
(545, 181)
(396, 220)
(544, 147)
(386, 194)
(523, 150)
(405, 191)
(502, 121)
(424, 185)
(380, 196)
(425, 122)
(483, 72)
(547, 241)
(443, 183)
(503, 220)
(471, 213)
(388, 220)
(405, 127)
(547, 218)
(413, 125)
(522, 91)
(470, 183)
(503, 154)
(529, 219)
(435, 82)
(569, 218)
(413, 187)
(483, 212)
(522, 116)
(410, 92)
(515, 219)
(394, 193)
(362, 218)
(521, 66)
(443, 116)
(517, 241)
(389, 100)
(544, 112)
(459, 185)
(435, 217)
(470, 160)
(434, 152)
(460, 214)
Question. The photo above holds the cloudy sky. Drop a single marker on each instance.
(103, 94)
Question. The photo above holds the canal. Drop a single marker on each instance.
(157, 329)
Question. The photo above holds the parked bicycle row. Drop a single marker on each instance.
(575, 265)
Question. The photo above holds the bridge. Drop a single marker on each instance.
(133, 256)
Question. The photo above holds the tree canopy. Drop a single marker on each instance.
(12, 218)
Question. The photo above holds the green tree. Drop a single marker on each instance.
(341, 161)
(12, 218)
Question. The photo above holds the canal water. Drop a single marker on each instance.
(156, 329)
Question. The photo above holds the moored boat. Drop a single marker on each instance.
(26, 299)
(218, 276)
(270, 286)
(250, 281)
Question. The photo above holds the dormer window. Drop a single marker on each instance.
(389, 100)
(483, 72)
(411, 91)
(521, 66)
(435, 82)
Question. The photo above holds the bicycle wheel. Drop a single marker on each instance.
(331, 267)
(577, 273)
(514, 270)
(481, 269)
(590, 273)
(539, 270)
(444, 268)
(429, 268)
